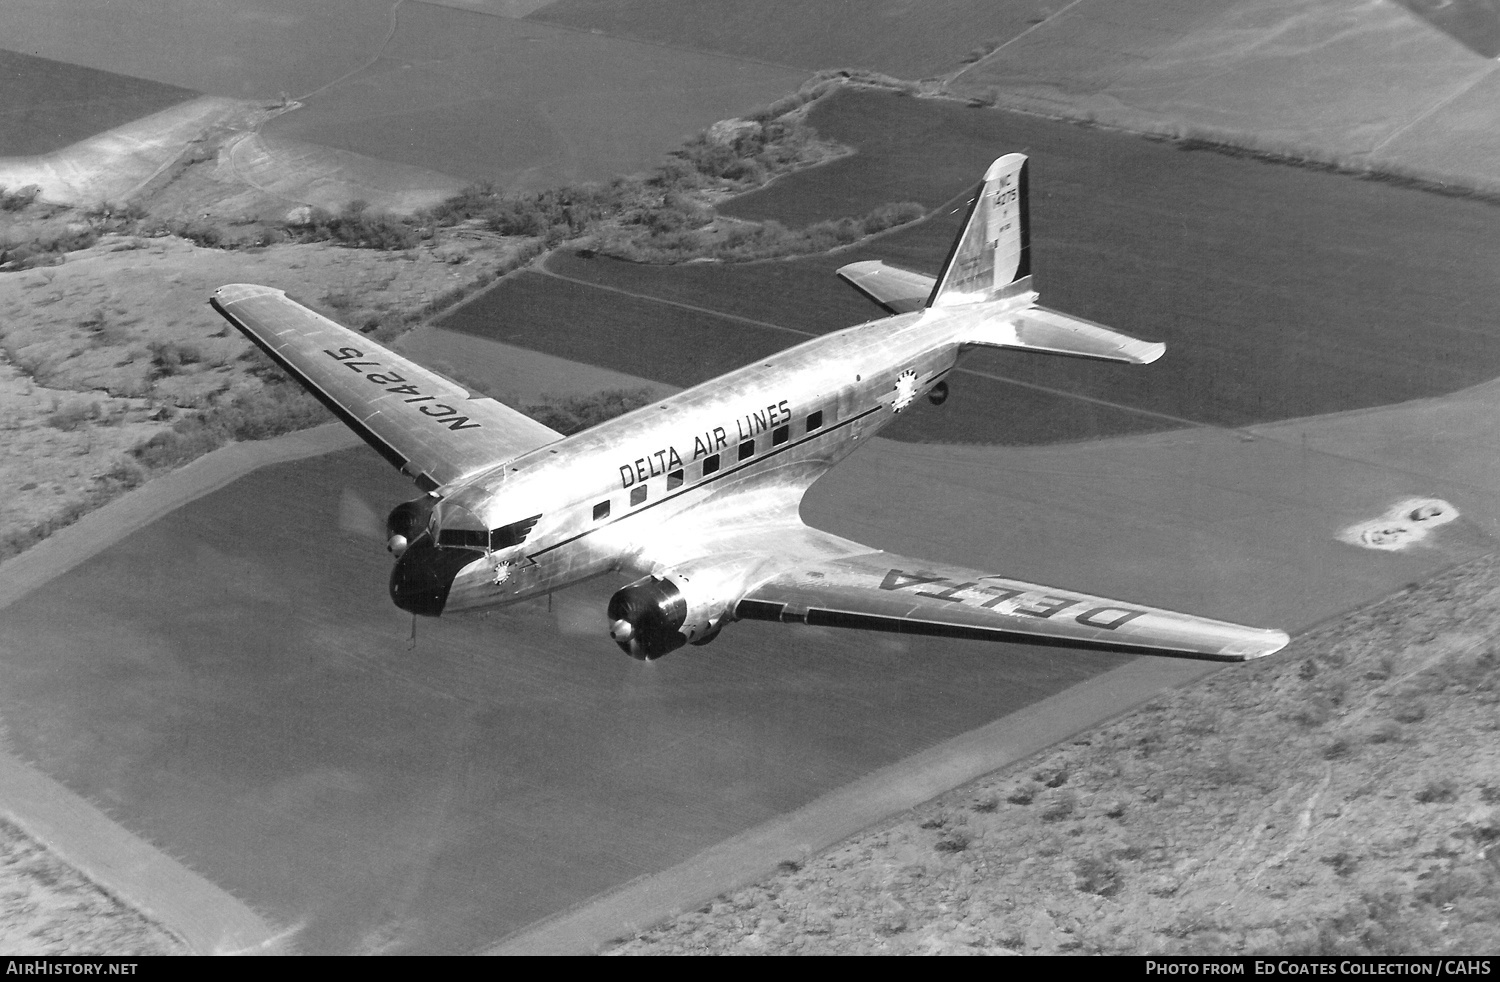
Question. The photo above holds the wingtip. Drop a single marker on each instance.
(1150, 352)
(1266, 642)
(232, 292)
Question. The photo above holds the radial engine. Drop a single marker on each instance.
(686, 604)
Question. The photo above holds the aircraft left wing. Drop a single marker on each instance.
(884, 592)
(428, 426)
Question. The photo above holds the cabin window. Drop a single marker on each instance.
(674, 480)
(814, 420)
(637, 495)
(780, 435)
(601, 510)
(710, 464)
(746, 449)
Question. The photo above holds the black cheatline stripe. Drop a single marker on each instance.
(704, 482)
(366, 434)
(766, 610)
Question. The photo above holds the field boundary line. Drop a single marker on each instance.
(1037, 26)
(992, 376)
(1439, 104)
(103, 527)
(751, 856)
(208, 918)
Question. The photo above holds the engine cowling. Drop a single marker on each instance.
(406, 521)
(689, 604)
(646, 618)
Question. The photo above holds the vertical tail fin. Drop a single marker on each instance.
(991, 258)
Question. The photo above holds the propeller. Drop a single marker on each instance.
(576, 613)
(357, 517)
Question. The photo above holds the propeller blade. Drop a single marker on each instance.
(356, 516)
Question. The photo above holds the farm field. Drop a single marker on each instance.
(46, 104)
(526, 104)
(1474, 23)
(1281, 292)
(909, 40)
(243, 690)
(1358, 83)
(256, 49)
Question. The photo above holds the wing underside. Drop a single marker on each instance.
(883, 592)
(428, 426)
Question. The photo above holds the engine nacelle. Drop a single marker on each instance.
(646, 618)
(406, 521)
(687, 604)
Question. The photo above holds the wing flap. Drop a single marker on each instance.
(426, 425)
(1053, 332)
(898, 290)
(883, 592)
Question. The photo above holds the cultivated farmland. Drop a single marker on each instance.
(45, 104)
(911, 40)
(526, 104)
(1277, 289)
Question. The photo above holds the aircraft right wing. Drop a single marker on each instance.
(427, 426)
(883, 592)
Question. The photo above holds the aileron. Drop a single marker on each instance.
(426, 425)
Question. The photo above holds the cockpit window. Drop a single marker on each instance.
(464, 538)
(501, 538)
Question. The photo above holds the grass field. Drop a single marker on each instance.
(910, 40)
(527, 104)
(46, 105)
(1281, 292)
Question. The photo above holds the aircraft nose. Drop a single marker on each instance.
(424, 574)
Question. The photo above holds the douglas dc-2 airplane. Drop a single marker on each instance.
(698, 495)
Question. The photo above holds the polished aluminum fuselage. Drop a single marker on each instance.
(858, 379)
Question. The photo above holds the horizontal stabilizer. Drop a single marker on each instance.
(1051, 332)
(898, 290)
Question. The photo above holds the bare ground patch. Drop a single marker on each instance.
(49, 908)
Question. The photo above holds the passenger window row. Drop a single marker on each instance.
(779, 435)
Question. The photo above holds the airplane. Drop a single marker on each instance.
(698, 495)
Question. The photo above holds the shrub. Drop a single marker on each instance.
(199, 233)
(1099, 875)
(169, 357)
(1437, 792)
(72, 416)
(571, 414)
(356, 227)
(1342, 862)
(1054, 778)
(954, 840)
(18, 199)
(1023, 795)
(278, 408)
(1059, 809)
